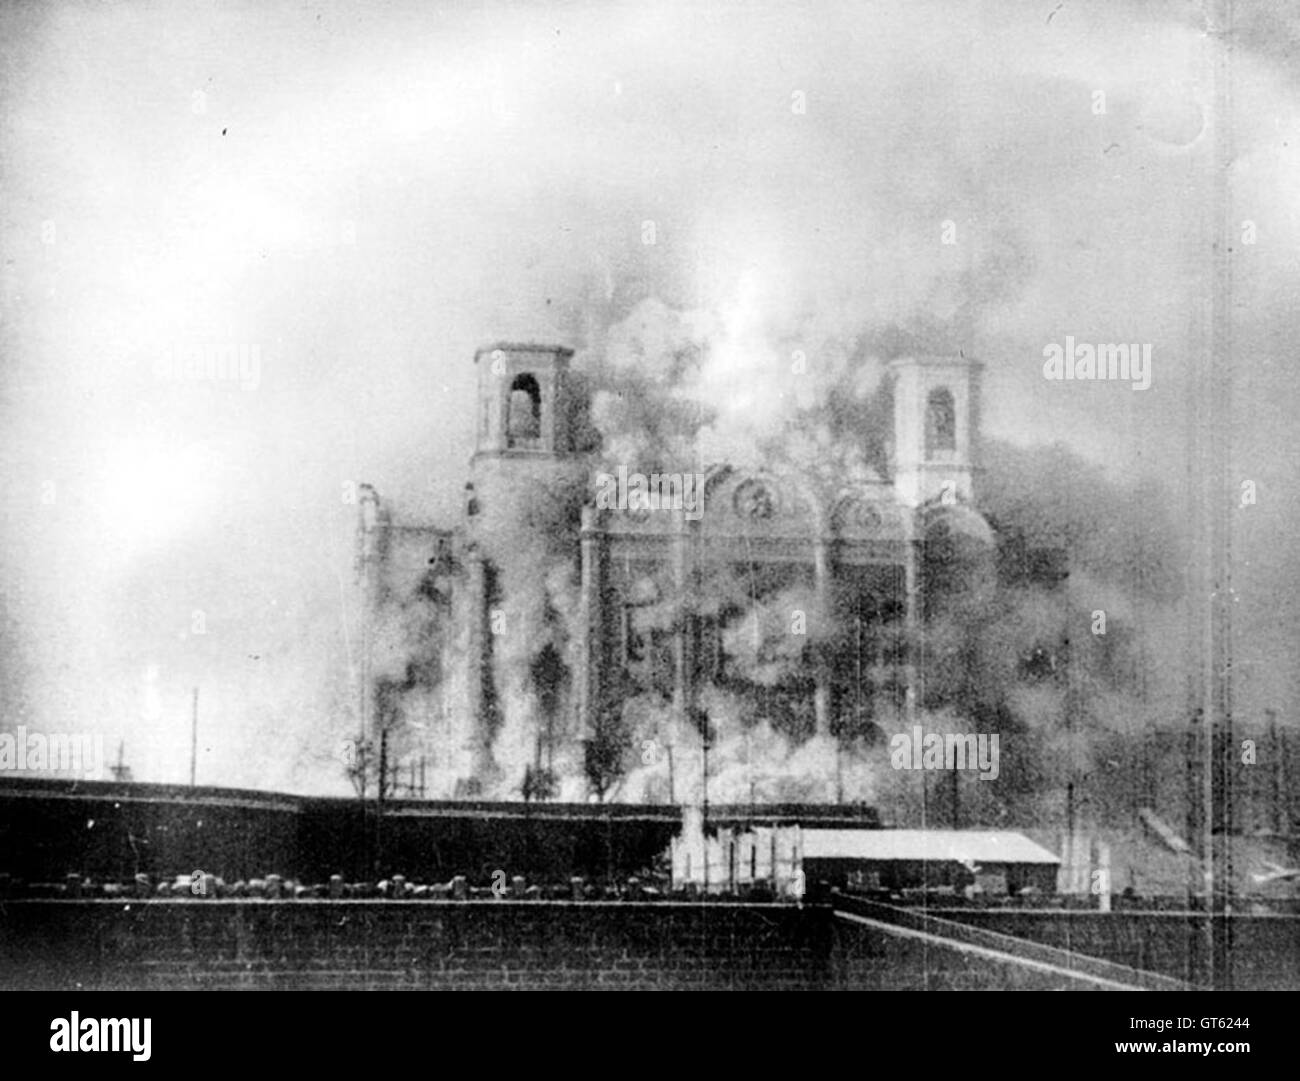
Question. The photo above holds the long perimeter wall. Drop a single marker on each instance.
(113, 831)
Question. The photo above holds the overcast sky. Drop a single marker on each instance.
(365, 196)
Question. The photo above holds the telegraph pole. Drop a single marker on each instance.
(379, 803)
(194, 736)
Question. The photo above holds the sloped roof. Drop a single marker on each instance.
(959, 520)
(957, 846)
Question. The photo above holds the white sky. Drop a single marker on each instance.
(367, 195)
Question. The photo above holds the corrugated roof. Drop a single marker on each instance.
(958, 846)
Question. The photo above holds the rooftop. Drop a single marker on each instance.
(955, 846)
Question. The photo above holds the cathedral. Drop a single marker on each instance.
(546, 610)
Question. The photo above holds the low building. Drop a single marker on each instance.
(987, 861)
(790, 860)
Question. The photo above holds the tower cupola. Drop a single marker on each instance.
(936, 428)
(522, 409)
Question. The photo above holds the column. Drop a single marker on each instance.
(591, 653)
(478, 663)
(911, 625)
(683, 653)
(821, 669)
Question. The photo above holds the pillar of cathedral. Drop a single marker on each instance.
(911, 625)
(821, 669)
(478, 663)
(683, 654)
(591, 653)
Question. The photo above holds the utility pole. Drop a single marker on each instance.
(194, 736)
(121, 771)
(1276, 820)
(379, 803)
(1076, 875)
(368, 543)
(368, 556)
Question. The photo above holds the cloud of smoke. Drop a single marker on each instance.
(1004, 634)
(477, 184)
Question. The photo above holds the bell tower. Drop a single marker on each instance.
(936, 428)
(522, 410)
(524, 457)
(524, 435)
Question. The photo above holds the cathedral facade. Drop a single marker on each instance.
(556, 609)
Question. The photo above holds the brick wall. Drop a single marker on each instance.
(166, 944)
(401, 944)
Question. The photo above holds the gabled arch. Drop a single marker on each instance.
(857, 516)
(956, 520)
(760, 499)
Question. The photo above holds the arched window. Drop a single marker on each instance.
(524, 422)
(940, 422)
